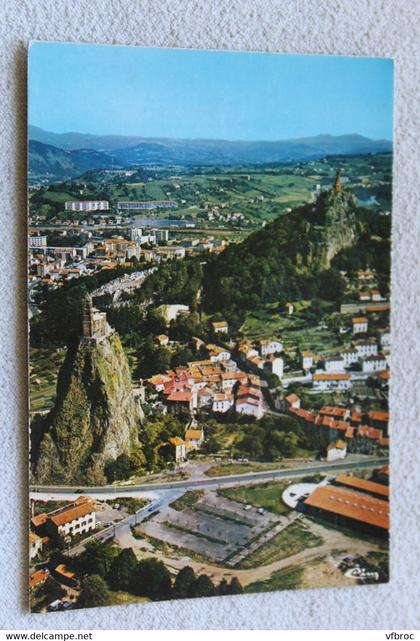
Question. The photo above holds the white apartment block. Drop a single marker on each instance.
(86, 205)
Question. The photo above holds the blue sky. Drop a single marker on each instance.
(182, 93)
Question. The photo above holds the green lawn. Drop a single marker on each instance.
(187, 500)
(125, 598)
(295, 538)
(286, 579)
(45, 364)
(228, 469)
(265, 495)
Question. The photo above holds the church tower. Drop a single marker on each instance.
(337, 184)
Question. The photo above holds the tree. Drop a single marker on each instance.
(183, 582)
(151, 578)
(120, 469)
(122, 570)
(202, 586)
(235, 586)
(96, 559)
(95, 592)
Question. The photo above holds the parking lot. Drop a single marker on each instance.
(215, 527)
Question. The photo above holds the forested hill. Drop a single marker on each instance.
(288, 259)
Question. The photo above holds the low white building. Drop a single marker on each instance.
(307, 360)
(270, 346)
(222, 403)
(336, 450)
(323, 381)
(220, 327)
(249, 407)
(374, 363)
(180, 452)
(365, 348)
(218, 354)
(350, 356)
(334, 364)
(86, 205)
(76, 518)
(275, 365)
(360, 324)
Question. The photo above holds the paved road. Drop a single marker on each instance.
(43, 492)
(130, 520)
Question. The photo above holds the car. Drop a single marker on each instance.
(248, 507)
(261, 510)
(151, 508)
(110, 523)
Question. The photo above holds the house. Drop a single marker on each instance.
(76, 518)
(229, 379)
(376, 295)
(217, 354)
(365, 275)
(35, 545)
(365, 347)
(179, 448)
(374, 363)
(364, 296)
(341, 413)
(307, 360)
(180, 402)
(336, 450)
(331, 381)
(222, 402)
(349, 356)
(162, 340)
(194, 438)
(37, 578)
(293, 401)
(334, 364)
(274, 365)
(268, 346)
(385, 338)
(379, 419)
(220, 327)
(360, 324)
(250, 407)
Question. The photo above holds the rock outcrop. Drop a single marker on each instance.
(95, 418)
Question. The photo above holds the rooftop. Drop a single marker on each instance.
(361, 484)
(350, 504)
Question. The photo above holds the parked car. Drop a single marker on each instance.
(248, 507)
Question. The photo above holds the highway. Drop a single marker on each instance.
(38, 492)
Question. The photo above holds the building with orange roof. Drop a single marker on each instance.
(336, 450)
(332, 381)
(335, 412)
(220, 327)
(293, 401)
(194, 437)
(361, 485)
(76, 518)
(37, 578)
(381, 475)
(360, 324)
(349, 508)
(180, 451)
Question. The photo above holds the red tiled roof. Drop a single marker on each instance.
(73, 512)
(350, 504)
(361, 484)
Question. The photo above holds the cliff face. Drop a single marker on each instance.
(332, 227)
(95, 417)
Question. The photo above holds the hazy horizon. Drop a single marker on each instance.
(212, 95)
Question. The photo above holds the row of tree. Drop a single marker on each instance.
(105, 568)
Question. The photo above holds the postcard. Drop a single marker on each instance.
(209, 306)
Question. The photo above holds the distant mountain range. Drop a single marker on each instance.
(70, 154)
